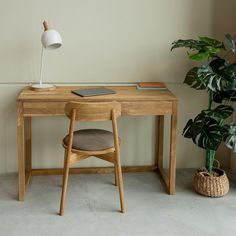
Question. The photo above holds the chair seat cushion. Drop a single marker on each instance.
(91, 140)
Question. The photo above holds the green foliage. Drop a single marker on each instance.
(204, 131)
(214, 76)
(231, 41)
(221, 112)
(218, 64)
(218, 77)
(221, 96)
(229, 136)
(203, 48)
(215, 81)
(193, 79)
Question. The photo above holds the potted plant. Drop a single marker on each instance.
(217, 75)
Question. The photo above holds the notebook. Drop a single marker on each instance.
(93, 92)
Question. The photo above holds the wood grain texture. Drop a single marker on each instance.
(160, 140)
(67, 154)
(92, 111)
(118, 172)
(28, 164)
(172, 164)
(133, 103)
(123, 93)
(20, 134)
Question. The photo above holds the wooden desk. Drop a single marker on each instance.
(134, 103)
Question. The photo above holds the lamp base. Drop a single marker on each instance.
(42, 87)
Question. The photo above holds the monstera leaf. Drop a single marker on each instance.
(212, 44)
(200, 49)
(204, 77)
(214, 81)
(188, 129)
(221, 112)
(229, 136)
(218, 64)
(204, 131)
(231, 41)
(193, 80)
(187, 43)
(229, 73)
(229, 95)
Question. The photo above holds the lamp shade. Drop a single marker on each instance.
(51, 39)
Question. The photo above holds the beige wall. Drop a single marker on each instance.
(104, 41)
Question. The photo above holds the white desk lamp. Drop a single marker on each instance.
(50, 39)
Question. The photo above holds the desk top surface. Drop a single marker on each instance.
(123, 93)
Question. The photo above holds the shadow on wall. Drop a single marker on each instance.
(224, 18)
(224, 21)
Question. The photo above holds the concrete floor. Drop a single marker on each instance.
(93, 203)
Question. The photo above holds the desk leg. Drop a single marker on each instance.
(172, 164)
(159, 162)
(28, 167)
(20, 136)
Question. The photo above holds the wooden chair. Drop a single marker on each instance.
(82, 144)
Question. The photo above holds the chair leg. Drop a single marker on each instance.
(120, 183)
(65, 182)
(116, 175)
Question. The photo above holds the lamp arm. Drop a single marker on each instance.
(41, 67)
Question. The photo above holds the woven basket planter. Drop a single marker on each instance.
(210, 185)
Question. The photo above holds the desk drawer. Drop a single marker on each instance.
(128, 108)
(44, 109)
(146, 108)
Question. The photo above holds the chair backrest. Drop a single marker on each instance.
(93, 111)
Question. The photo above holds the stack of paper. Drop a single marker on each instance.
(151, 86)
